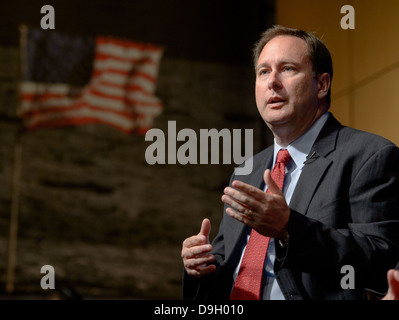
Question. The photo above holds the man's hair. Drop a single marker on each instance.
(317, 50)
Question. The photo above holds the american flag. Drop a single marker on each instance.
(72, 80)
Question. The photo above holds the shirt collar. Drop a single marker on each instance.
(300, 147)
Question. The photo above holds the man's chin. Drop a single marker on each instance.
(275, 121)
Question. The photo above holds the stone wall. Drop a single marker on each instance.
(110, 224)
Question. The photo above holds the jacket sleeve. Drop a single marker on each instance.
(360, 229)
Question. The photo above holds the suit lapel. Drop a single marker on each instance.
(315, 166)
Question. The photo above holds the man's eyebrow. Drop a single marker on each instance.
(281, 62)
(262, 65)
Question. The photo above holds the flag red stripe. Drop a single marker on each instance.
(41, 97)
(104, 56)
(129, 103)
(34, 98)
(32, 113)
(49, 95)
(123, 99)
(128, 44)
(130, 88)
(83, 121)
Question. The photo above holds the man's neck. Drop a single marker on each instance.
(285, 135)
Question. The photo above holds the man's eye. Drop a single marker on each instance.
(288, 68)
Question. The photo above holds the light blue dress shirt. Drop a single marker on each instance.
(299, 150)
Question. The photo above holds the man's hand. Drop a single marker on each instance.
(267, 213)
(393, 285)
(196, 252)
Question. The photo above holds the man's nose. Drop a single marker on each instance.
(274, 81)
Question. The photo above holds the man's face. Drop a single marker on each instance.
(286, 90)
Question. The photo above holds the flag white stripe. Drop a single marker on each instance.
(113, 64)
(127, 67)
(28, 106)
(30, 87)
(122, 92)
(128, 53)
(104, 102)
(121, 80)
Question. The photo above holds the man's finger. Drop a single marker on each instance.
(196, 251)
(197, 262)
(194, 241)
(248, 190)
(205, 228)
(236, 205)
(201, 270)
(393, 282)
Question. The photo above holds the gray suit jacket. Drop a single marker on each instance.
(344, 211)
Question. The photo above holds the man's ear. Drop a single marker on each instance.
(323, 85)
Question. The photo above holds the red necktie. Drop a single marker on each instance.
(249, 279)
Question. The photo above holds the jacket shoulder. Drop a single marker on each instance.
(362, 140)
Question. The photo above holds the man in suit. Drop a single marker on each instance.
(332, 213)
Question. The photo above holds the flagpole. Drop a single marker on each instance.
(16, 177)
(12, 244)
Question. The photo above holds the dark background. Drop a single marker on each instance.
(200, 30)
(110, 224)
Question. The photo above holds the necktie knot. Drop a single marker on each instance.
(283, 156)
